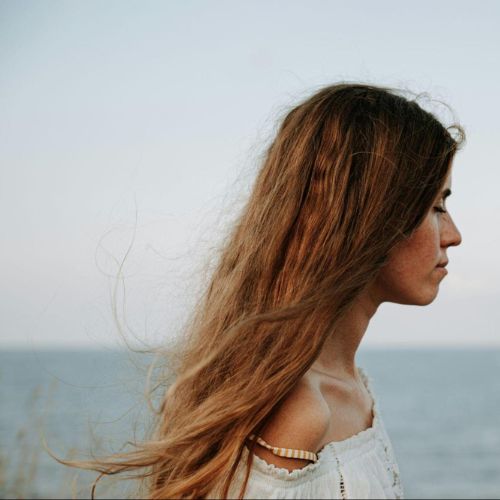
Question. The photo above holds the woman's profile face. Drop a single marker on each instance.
(411, 276)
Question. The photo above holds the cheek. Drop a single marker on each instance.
(416, 260)
(411, 265)
(421, 252)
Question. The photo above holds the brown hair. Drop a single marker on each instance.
(352, 171)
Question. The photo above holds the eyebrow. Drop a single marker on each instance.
(446, 192)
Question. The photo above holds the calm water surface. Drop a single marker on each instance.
(441, 408)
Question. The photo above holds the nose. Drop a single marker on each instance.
(451, 236)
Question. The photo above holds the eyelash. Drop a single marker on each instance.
(440, 210)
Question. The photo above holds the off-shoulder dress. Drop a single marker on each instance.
(362, 466)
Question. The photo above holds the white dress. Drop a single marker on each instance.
(362, 466)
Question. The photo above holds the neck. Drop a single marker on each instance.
(338, 356)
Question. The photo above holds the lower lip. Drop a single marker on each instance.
(442, 269)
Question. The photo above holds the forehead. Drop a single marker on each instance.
(447, 183)
(446, 190)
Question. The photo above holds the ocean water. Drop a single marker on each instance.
(441, 408)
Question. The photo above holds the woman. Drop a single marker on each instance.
(347, 212)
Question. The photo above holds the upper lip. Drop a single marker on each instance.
(442, 264)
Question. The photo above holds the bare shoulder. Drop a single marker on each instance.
(299, 423)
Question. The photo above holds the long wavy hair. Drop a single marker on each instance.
(351, 172)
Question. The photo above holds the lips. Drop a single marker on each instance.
(443, 264)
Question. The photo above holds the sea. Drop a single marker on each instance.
(441, 408)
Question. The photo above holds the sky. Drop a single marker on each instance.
(133, 130)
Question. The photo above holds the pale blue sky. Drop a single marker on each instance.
(105, 106)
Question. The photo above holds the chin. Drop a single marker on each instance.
(427, 298)
(413, 299)
(426, 301)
